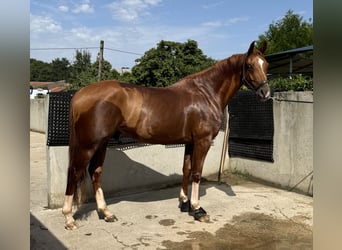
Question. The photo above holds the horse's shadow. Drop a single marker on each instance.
(117, 173)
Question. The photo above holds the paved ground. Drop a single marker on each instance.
(244, 215)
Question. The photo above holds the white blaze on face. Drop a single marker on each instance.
(261, 63)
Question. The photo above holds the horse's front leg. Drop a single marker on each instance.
(184, 200)
(95, 172)
(200, 151)
(70, 223)
(100, 200)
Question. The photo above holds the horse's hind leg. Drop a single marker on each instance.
(95, 172)
(76, 173)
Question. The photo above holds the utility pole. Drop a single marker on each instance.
(100, 60)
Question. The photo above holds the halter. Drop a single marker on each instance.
(246, 82)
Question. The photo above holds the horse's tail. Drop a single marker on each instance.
(80, 194)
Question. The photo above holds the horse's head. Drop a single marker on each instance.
(254, 71)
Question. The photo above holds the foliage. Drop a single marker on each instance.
(169, 62)
(39, 71)
(290, 32)
(60, 69)
(107, 72)
(126, 77)
(82, 73)
(79, 73)
(292, 83)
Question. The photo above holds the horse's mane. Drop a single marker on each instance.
(218, 68)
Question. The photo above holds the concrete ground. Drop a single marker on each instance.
(243, 215)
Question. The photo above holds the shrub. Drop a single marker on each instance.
(292, 83)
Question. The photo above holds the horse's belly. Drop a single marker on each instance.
(158, 134)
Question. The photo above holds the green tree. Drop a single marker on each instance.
(169, 62)
(84, 72)
(126, 77)
(39, 71)
(60, 69)
(107, 73)
(290, 32)
(81, 72)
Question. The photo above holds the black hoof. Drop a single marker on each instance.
(184, 206)
(111, 218)
(199, 214)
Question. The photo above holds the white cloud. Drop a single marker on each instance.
(84, 35)
(63, 8)
(211, 5)
(136, 39)
(46, 32)
(153, 2)
(39, 24)
(236, 20)
(212, 24)
(216, 24)
(131, 10)
(83, 8)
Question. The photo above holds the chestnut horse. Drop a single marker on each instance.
(188, 112)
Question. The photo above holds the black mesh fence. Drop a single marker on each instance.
(251, 127)
(58, 120)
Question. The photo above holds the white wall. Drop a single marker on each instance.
(39, 114)
(129, 170)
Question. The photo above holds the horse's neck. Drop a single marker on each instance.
(225, 79)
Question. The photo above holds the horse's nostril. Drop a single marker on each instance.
(262, 93)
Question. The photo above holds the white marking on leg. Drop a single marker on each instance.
(195, 195)
(67, 206)
(100, 201)
(102, 206)
(67, 212)
(183, 196)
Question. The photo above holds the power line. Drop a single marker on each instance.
(85, 48)
(63, 48)
(123, 51)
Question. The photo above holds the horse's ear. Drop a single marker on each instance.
(263, 47)
(251, 48)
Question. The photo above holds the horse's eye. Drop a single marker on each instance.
(249, 66)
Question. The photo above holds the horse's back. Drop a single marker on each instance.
(110, 92)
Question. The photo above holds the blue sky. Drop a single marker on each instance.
(221, 27)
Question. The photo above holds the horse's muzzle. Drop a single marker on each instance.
(264, 92)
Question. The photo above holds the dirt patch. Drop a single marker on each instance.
(167, 222)
(251, 231)
(150, 217)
